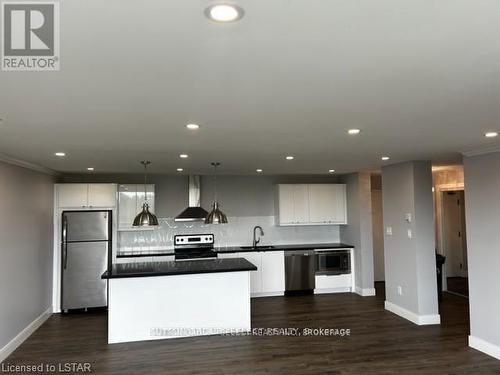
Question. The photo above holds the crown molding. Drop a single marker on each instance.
(25, 164)
(481, 151)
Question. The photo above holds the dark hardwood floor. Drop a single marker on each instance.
(458, 285)
(380, 343)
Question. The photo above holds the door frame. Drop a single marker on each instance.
(440, 191)
(438, 198)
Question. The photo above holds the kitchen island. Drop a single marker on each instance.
(163, 300)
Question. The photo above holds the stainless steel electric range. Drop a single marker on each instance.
(194, 246)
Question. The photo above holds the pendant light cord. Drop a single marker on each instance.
(215, 165)
(145, 163)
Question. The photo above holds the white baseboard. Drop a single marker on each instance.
(267, 294)
(24, 334)
(411, 316)
(365, 292)
(484, 346)
(332, 290)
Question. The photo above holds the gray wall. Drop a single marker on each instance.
(359, 230)
(482, 209)
(26, 207)
(410, 262)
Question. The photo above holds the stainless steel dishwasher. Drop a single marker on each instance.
(300, 269)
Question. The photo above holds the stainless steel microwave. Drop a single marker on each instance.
(333, 262)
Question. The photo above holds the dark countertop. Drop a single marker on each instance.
(321, 246)
(173, 268)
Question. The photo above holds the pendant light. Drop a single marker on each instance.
(215, 216)
(145, 218)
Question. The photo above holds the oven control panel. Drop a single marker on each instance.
(194, 239)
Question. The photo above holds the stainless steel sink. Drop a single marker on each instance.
(256, 247)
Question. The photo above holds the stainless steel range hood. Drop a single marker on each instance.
(194, 212)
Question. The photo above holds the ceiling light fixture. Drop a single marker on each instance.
(258, 170)
(385, 158)
(193, 126)
(491, 134)
(215, 216)
(90, 169)
(224, 13)
(60, 154)
(354, 131)
(331, 170)
(290, 157)
(145, 218)
(180, 169)
(183, 156)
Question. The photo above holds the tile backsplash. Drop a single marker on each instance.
(238, 232)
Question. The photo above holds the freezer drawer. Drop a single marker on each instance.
(86, 226)
(83, 265)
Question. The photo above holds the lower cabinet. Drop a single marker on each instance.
(269, 279)
(333, 283)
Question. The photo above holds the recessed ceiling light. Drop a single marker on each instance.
(60, 154)
(491, 134)
(258, 170)
(331, 170)
(353, 131)
(91, 169)
(224, 13)
(180, 169)
(290, 157)
(183, 156)
(193, 126)
(385, 158)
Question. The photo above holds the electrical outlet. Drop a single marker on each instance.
(389, 231)
(400, 290)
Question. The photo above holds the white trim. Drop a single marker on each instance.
(411, 316)
(25, 164)
(484, 346)
(482, 151)
(24, 334)
(267, 294)
(365, 292)
(332, 290)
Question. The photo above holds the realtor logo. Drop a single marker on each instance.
(30, 35)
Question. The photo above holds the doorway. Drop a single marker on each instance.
(454, 242)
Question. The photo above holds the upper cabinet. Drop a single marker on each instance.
(312, 204)
(86, 195)
(130, 201)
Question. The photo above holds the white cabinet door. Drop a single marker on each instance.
(286, 205)
(339, 204)
(301, 203)
(72, 195)
(127, 205)
(273, 272)
(321, 203)
(255, 276)
(327, 203)
(102, 195)
(130, 201)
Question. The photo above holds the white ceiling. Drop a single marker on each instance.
(421, 78)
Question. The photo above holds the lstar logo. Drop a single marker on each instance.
(30, 35)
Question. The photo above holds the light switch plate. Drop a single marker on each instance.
(408, 217)
(410, 233)
(389, 231)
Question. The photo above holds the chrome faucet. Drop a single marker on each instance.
(255, 240)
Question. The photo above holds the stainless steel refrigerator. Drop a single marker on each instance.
(85, 247)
